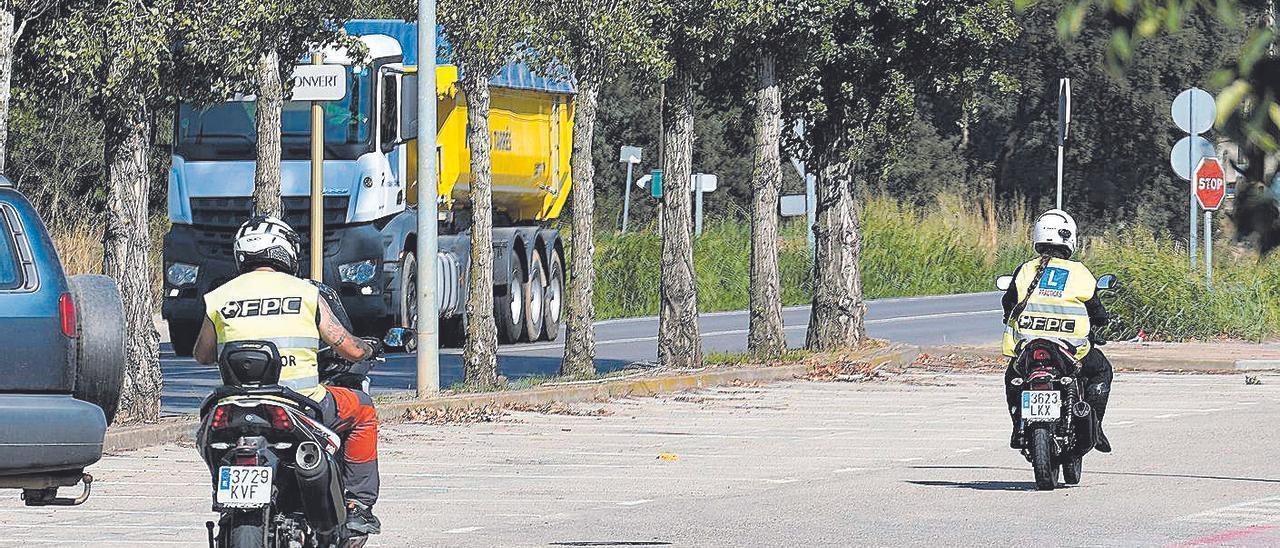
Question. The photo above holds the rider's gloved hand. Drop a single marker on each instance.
(378, 348)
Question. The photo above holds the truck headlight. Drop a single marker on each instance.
(181, 274)
(358, 273)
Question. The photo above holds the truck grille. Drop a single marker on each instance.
(217, 219)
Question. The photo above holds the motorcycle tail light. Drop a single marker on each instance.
(220, 418)
(1040, 355)
(280, 419)
(246, 459)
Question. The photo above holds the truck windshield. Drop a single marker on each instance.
(226, 131)
(8, 258)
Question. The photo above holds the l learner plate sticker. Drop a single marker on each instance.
(1041, 405)
(244, 486)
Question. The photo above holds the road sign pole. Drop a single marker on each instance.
(1191, 244)
(428, 359)
(317, 183)
(626, 198)
(697, 200)
(1060, 147)
(1208, 248)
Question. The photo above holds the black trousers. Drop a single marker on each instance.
(1095, 370)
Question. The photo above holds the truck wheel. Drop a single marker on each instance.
(409, 297)
(554, 299)
(535, 300)
(182, 335)
(508, 308)
(100, 355)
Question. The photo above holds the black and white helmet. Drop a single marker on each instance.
(266, 241)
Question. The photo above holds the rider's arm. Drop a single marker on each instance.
(337, 337)
(206, 348)
(1010, 298)
(1098, 316)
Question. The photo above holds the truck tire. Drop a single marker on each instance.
(508, 308)
(100, 338)
(554, 306)
(409, 298)
(535, 299)
(182, 335)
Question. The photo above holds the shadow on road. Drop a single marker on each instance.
(980, 485)
(1087, 472)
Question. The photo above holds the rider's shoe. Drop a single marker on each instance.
(360, 519)
(1103, 445)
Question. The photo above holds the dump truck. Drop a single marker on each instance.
(370, 189)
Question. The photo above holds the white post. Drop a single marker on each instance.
(1208, 248)
(1060, 148)
(626, 198)
(697, 189)
(317, 183)
(428, 323)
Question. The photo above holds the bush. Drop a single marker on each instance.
(945, 249)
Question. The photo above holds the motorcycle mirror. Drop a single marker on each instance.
(1108, 281)
(397, 337)
(1003, 283)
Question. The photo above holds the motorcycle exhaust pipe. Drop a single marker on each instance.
(1085, 422)
(321, 488)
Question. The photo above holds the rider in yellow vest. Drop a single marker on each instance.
(1055, 297)
(268, 302)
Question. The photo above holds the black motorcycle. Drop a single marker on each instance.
(275, 466)
(1057, 426)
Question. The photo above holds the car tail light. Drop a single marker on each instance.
(220, 419)
(280, 419)
(1040, 355)
(67, 312)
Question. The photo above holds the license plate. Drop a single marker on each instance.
(1041, 405)
(244, 486)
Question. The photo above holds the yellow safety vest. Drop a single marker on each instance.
(274, 307)
(1056, 307)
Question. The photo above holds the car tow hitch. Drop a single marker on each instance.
(49, 496)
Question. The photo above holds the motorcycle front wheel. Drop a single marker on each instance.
(1042, 464)
(1072, 469)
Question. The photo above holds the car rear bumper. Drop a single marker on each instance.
(48, 433)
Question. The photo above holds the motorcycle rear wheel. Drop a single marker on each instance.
(1072, 469)
(1046, 471)
(247, 535)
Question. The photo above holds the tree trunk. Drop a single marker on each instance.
(7, 43)
(580, 332)
(679, 345)
(266, 175)
(127, 253)
(765, 336)
(480, 354)
(836, 318)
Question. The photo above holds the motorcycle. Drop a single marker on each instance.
(1057, 426)
(275, 466)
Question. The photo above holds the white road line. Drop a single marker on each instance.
(463, 530)
(635, 502)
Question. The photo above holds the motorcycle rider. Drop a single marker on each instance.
(268, 301)
(1055, 288)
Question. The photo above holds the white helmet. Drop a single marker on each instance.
(1055, 229)
(267, 241)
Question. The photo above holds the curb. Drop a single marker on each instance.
(1130, 363)
(128, 438)
(1257, 365)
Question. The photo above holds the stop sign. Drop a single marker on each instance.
(1210, 183)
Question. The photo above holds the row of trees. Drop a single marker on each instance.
(853, 72)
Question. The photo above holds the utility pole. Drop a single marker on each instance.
(317, 183)
(428, 317)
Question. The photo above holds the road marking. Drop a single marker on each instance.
(463, 530)
(635, 502)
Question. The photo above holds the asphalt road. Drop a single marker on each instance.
(953, 319)
(916, 463)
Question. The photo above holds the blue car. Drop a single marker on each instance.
(61, 360)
